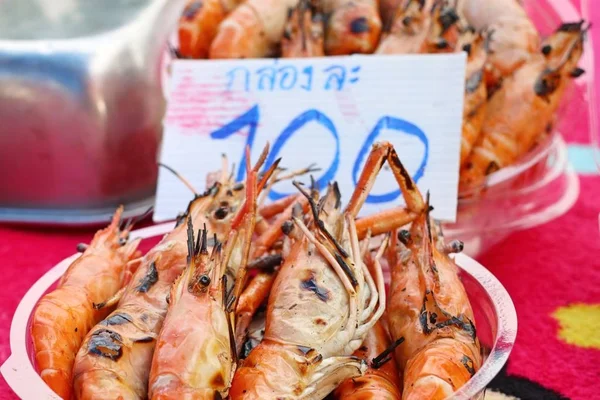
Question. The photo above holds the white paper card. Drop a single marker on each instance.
(327, 111)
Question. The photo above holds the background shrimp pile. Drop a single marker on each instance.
(515, 81)
(315, 319)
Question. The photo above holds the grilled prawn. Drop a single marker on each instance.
(64, 316)
(422, 27)
(115, 358)
(523, 108)
(475, 91)
(353, 26)
(443, 32)
(429, 308)
(195, 355)
(199, 24)
(253, 30)
(408, 29)
(304, 32)
(323, 301)
(514, 39)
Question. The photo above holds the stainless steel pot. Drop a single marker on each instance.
(81, 106)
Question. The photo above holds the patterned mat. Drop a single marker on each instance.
(553, 275)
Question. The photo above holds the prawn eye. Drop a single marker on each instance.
(546, 49)
(221, 212)
(81, 247)
(359, 25)
(442, 44)
(457, 246)
(467, 48)
(204, 280)
(287, 227)
(404, 236)
(577, 72)
(406, 21)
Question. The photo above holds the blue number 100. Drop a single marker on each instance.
(251, 119)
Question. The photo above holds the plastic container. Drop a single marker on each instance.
(542, 186)
(495, 317)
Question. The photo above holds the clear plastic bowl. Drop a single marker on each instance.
(495, 318)
(542, 186)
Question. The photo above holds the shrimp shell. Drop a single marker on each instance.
(115, 358)
(199, 23)
(354, 26)
(323, 301)
(515, 38)
(535, 89)
(429, 308)
(475, 103)
(304, 32)
(253, 30)
(408, 29)
(64, 316)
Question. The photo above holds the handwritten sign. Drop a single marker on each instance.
(327, 111)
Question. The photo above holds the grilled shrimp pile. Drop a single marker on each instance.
(515, 80)
(287, 300)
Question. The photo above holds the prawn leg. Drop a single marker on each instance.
(387, 220)
(330, 372)
(63, 317)
(257, 292)
(379, 381)
(251, 299)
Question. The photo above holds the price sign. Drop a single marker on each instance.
(328, 111)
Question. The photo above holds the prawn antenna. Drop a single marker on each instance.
(203, 241)
(319, 223)
(385, 355)
(180, 177)
(311, 168)
(428, 220)
(131, 222)
(337, 194)
(190, 239)
(232, 343)
(313, 183)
